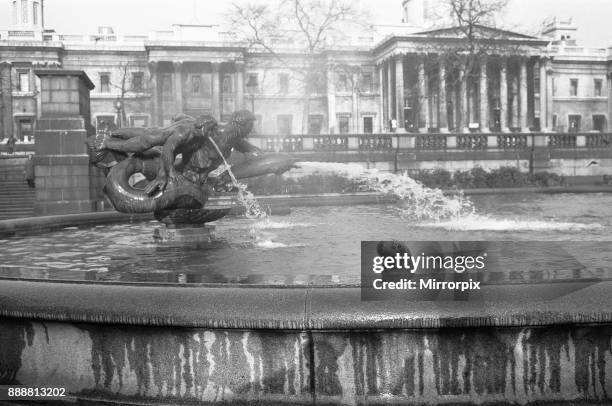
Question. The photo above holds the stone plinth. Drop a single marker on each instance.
(199, 234)
(65, 182)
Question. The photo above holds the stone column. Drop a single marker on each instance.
(239, 91)
(442, 101)
(524, 123)
(464, 116)
(484, 97)
(423, 97)
(154, 95)
(331, 100)
(390, 92)
(543, 104)
(178, 85)
(515, 101)
(609, 80)
(399, 91)
(503, 96)
(549, 95)
(216, 96)
(381, 92)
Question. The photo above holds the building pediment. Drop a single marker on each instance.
(478, 31)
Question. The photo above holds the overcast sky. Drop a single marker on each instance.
(142, 16)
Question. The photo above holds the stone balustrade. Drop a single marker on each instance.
(386, 142)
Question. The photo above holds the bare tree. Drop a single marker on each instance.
(297, 33)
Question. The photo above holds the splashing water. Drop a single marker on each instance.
(252, 207)
(418, 201)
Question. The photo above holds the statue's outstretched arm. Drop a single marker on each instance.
(246, 147)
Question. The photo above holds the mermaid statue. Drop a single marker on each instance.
(180, 166)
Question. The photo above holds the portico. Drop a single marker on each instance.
(431, 85)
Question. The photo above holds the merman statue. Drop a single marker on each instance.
(177, 162)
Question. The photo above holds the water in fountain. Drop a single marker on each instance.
(418, 201)
(252, 207)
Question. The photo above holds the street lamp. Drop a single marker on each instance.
(252, 86)
(119, 108)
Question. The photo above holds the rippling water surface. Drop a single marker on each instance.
(322, 245)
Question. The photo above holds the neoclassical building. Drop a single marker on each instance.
(404, 77)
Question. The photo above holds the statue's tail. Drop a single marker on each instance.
(127, 199)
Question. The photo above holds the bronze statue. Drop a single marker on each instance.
(176, 162)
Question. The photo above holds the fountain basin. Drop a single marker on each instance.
(545, 339)
(121, 343)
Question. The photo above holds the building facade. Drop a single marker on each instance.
(398, 80)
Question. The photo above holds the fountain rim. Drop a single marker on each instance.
(288, 308)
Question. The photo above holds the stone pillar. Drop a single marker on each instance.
(503, 96)
(154, 95)
(515, 102)
(331, 100)
(484, 97)
(424, 123)
(239, 90)
(390, 92)
(543, 104)
(442, 101)
(464, 116)
(399, 91)
(549, 95)
(6, 99)
(178, 85)
(381, 107)
(524, 123)
(65, 182)
(216, 94)
(355, 104)
(608, 124)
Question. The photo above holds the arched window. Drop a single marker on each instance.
(36, 13)
(24, 11)
(14, 12)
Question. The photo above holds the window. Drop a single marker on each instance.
(283, 83)
(35, 16)
(367, 83)
(574, 123)
(252, 83)
(599, 123)
(105, 123)
(137, 81)
(104, 83)
(23, 81)
(343, 124)
(598, 87)
(315, 124)
(284, 124)
(26, 130)
(24, 11)
(368, 125)
(342, 85)
(139, 121)
(226, 88)
(196, 85)
(573, 87)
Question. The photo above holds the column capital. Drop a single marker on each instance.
(177, 64)
(215, 66)
(153, 64)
